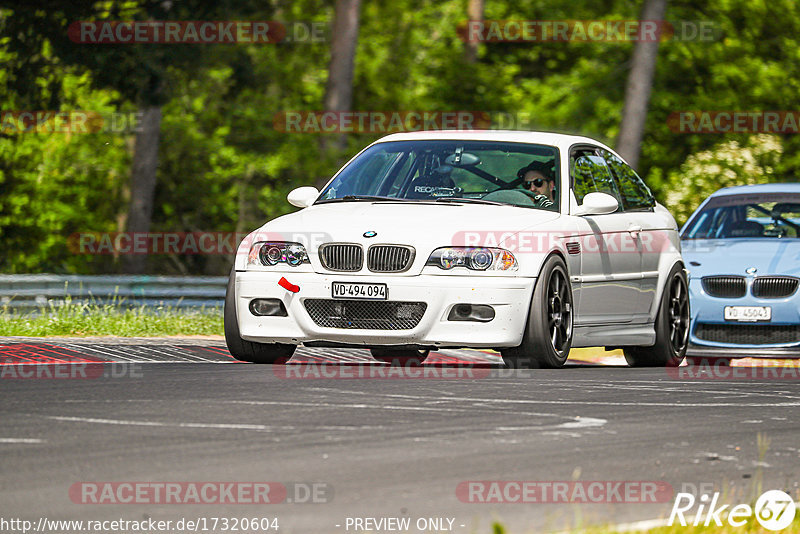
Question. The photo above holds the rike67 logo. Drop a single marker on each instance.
(774, 510)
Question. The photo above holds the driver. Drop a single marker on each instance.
(538, 181)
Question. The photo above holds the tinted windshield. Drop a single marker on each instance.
(770, 215)
(465, 171)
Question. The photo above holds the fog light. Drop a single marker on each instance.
(462, 310)
(480, 313)
(272, 307)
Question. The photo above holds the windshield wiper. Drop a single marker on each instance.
(469, 200)
(357, 198)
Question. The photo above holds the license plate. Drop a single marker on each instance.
(360, 290)
(748, 313)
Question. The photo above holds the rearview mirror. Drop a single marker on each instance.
(597, 204)
(302, 197)
(462, 159)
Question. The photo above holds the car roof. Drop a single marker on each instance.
(510, 136)
(792, 187)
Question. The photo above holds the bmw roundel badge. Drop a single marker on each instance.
(370, 233)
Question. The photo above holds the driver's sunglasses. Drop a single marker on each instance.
(538, 182)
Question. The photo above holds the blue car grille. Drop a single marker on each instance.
(729, 287)
(774, 287)
(748, 334)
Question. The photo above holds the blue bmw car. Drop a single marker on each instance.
(742, 248)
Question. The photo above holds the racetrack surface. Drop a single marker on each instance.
(385, 446)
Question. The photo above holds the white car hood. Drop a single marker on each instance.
(425, 226)
(734, 256)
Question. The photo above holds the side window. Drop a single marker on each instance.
(590, 174)
(635, 194)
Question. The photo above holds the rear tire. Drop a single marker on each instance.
(249, 351)
(400, 357)
(548, 332)
(672, 327)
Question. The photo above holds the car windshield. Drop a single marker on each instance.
(451, 171)
(764, 215)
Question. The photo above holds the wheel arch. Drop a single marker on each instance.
(545, 257)
(664, 269)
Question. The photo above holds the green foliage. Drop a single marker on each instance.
(223, 166)
(724, 165)
(58, 184)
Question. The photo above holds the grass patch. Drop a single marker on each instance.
(116, 318)
(750, 527)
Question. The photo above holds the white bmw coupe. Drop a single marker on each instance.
(528, 243)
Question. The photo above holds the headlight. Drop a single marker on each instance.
(273, 253)
(474, 258)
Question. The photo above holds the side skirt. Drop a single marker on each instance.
(614, 335)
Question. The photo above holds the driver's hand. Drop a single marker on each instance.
(542, 201)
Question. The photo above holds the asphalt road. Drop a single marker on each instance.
(378, 447)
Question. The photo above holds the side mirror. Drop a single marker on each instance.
(597, 204)
(302, 197)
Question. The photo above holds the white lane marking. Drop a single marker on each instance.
(21, 440)
(658, 388)
(382, 407)
(78, 348)
(368, 406)
(207, 425)
(584, 422)
(587, 403)
(229, 426)
(185, 353)
(119, 353)
(577, 422)
(160, 352)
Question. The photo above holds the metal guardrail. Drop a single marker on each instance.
(33, 291)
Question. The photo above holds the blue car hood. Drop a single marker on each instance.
(733, 256)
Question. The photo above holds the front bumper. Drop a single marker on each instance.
(739, 351)
(731, 339)
(510, 298)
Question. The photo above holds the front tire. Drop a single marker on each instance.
(249, 351)
(400, 357)
(548, 332)
(672, 327)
